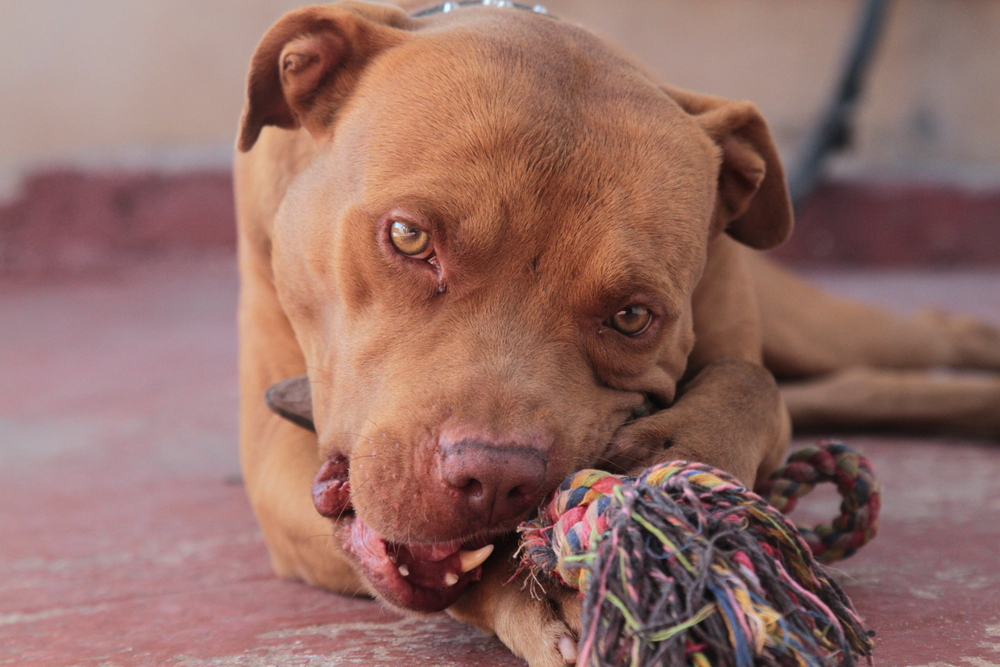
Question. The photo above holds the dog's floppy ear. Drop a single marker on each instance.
(308, 62)
(753, 201)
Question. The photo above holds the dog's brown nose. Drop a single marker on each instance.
(494, 483)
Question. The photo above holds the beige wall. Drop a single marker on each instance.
(159, 82)
(124, 82)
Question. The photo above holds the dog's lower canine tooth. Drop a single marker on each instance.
(473, 559)
(450, 579)
(403, 570)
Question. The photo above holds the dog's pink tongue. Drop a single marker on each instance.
(418, 577)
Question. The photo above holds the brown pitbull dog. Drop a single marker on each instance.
(502, 251)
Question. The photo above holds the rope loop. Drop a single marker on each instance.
(854, 477)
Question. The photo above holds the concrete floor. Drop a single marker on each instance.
(125, 537)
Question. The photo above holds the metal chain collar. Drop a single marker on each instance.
(452, 6)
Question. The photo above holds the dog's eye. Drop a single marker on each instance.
(409, 239)
(631, 320)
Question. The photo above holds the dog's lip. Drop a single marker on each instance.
(425, 585)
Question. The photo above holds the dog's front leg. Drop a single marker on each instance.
(538, 622)
(728, 412)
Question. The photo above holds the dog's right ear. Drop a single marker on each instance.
(308, 62)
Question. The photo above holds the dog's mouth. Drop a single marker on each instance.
(419, 577)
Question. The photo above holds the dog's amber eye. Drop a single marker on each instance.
(408, 238)
(631, 320)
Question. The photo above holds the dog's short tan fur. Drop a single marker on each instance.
(560, 182)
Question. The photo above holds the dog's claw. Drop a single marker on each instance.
(567, 648)
(473, 559)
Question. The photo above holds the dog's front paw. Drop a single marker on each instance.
(539, 623)
(729, 416)
(543, 631)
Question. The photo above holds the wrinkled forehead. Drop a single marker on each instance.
(531, 92)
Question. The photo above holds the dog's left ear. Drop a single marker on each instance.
(753, 204)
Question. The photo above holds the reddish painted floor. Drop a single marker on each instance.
(125, 538)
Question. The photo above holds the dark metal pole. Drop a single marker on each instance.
(833, 132)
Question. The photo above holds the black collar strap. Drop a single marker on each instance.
(452, 6)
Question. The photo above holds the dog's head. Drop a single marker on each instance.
(489, 264)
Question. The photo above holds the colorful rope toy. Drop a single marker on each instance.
(685, 566)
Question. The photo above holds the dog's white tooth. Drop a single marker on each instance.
(403, 570)
(392, 558)
(450, 579)
(473, 559)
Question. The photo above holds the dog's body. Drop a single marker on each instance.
(581, 291)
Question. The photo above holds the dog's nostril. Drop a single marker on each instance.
(474, 488)
(519, 491)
